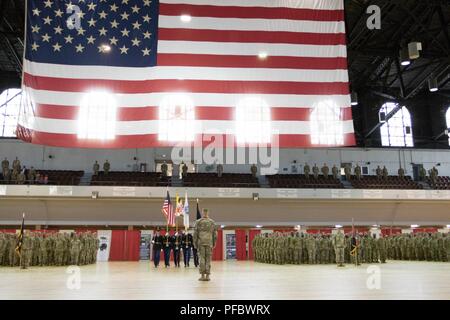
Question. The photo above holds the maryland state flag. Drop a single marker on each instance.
(20, 237)
(179, 206)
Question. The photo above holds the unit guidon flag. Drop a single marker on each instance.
(146, 73)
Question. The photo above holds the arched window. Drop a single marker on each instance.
(176, 119)
(326, 124)
(253, 121)
(447, 119)
(9, 111)
(397, 131)
(97, 117)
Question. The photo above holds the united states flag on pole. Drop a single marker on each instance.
(147, 73)
(168, 211)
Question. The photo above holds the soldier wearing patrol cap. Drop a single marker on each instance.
(205, 236)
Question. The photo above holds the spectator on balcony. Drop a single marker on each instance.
(184, 170)
(7, 175)
(106, 167)
(254, 170)
(335, 172)
(21, 177)
(164, 169)
(32, 175)
(358, 172)
(316, 171)
(219, 170)
(306, 170)
(46, 179)
(14, 175)
(38, 178)
(401, 173)
(16, 165)
(325, 171)
(385, 173)
(5, 165)
(422, 173)
(96, 168)
(433, 175)
(379, 172)
(348, 172)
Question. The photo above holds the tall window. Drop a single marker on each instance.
(447, 119)
(397, 131)
(97, 117)
(9, 111)
(326, 124)
(176, 119)
(253, 123)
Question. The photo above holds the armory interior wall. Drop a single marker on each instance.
(82, 159)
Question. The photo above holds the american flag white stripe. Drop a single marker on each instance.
(294, 4)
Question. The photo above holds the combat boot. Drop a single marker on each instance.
(202, 278)
(207, 277)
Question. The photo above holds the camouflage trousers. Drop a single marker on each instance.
(311, 256)
(205, 253)
(43, 257)
(339, 255)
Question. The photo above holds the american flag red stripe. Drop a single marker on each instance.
(168, 211)
(213, 59)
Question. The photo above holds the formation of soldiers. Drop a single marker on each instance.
(178, 245)
(96, 168)
(300, 248)
(20, 175)
(49, 249)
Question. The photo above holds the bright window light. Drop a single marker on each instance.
(263, 55)
(338, 226)
(397, 131)
(176, 119)
(326, 124)
(258, 226)
(185, 18)
(9, 111)
(253, 121)
(414, 226)
(97, 117)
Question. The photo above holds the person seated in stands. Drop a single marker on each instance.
(401, 173)
(21, 177)
(385, 173)
(46, 179)
(14, 175)
(254, 170)
(379, 172)
(325, 171)
(219, 170)
(38, 178)
(7, 175)
(316, 171)
(358, 172)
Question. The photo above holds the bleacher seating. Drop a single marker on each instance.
(442, 183)
(227, 180)
(62, 177)
(301, 182)
(392, 182)
(127, 178)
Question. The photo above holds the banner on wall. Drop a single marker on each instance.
(104, 237)
(145, 245)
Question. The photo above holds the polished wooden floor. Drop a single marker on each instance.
(230, 280)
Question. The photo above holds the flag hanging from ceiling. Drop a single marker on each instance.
(142, 73)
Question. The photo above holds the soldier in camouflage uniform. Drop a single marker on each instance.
(296, 248)
(339, 246)
(205, 235)
(36, 250)
(382, 248)
(26, 254)
(348, 248)
(59, 250)
(3, 243)
(75, 248)
(447, 246)
(311, 248)
(323, 248)
(12, 255)
(426, 244)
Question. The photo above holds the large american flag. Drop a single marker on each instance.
(147, 73)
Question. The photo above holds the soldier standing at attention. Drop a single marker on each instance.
(16, 165)
(379, 172)
(348, 172)
(335, 172)
(205, 236)
(323, 246)
(106, 167)
(5, 165)
(186, 240)
(339, 247)
(254, 170)
(27, 250)
(382, 248)
(422, 173)
(164, 169)
(219, 170)
(358, 172)
(316, 171)
(325, 171)
(166, 249)
(184, 170)
(401, 173)
(96, 168)
(306, 170)
(75, 249)
(157, 246)
(311, 247)
(385, 173)
(176, 246)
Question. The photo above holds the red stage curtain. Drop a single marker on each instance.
(387, 231)
(218, 249)
(428, 230)
(241, 241)
(124, 245)
(251, 236)
(9, 230)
